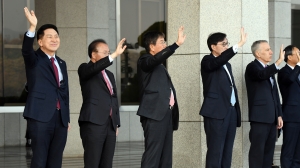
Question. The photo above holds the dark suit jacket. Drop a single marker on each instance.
(155, 87)
(263, 99)
(97, 100)
(217, 87)
(43, 90)
(289, 85)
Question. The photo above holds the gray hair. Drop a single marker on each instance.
(256, 44)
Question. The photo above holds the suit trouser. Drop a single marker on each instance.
(290, 151)
(99, 143)
(158, 142)
(220, 134)
(48, 141)
(262, 138)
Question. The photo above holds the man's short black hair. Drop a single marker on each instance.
(214, 38)
(40, 32)
(151, 37)
(93, 45)
(288, 51)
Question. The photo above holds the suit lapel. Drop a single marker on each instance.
(110, 79)
(228, 66)
(263, 68)
(166, 71)
(62, 67)
(173, 89)
(45, 58)
(289, 69)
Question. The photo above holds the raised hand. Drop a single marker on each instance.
(120, 49)
(181, 36)
(243, 38)
(281, 56)
(281, 53)
(31, 19)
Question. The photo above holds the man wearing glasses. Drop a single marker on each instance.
(99, 115)
(289, 85)
(158, 104)
(220, 108)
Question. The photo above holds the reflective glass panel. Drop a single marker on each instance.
(12, 73)
(137, 17)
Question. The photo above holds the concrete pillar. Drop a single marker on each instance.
(201, 18)
(279, 25)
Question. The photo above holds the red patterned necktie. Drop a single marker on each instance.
(108, 86)
(56, 77)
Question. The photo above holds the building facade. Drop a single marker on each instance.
(81, 21)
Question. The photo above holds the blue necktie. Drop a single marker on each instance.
(232, 97)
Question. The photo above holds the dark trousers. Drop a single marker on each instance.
(220, 136)
(158, 142)
(48, 142)
(290, 151)
(262, 138)
(27, 135)
(99, 143)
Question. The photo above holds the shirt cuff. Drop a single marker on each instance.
(235, 48)
(110, 59)
(277, 67)
(30, 34)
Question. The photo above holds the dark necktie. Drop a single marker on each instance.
(56, 77)
(271, 79)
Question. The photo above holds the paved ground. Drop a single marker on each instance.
(127, 155)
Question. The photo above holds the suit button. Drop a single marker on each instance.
(56, 99)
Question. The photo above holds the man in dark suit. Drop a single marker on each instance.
(263, 103)
(289, 84)
(99, 115)
(47, 105)
(220, 108)
(158, 104)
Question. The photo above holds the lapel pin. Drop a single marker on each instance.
(60, 62)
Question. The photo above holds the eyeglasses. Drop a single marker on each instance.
(105, 53)
(224, 44)
(162, 42)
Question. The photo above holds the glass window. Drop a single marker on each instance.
(296, 27)
(137, 17)
(12, 69)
